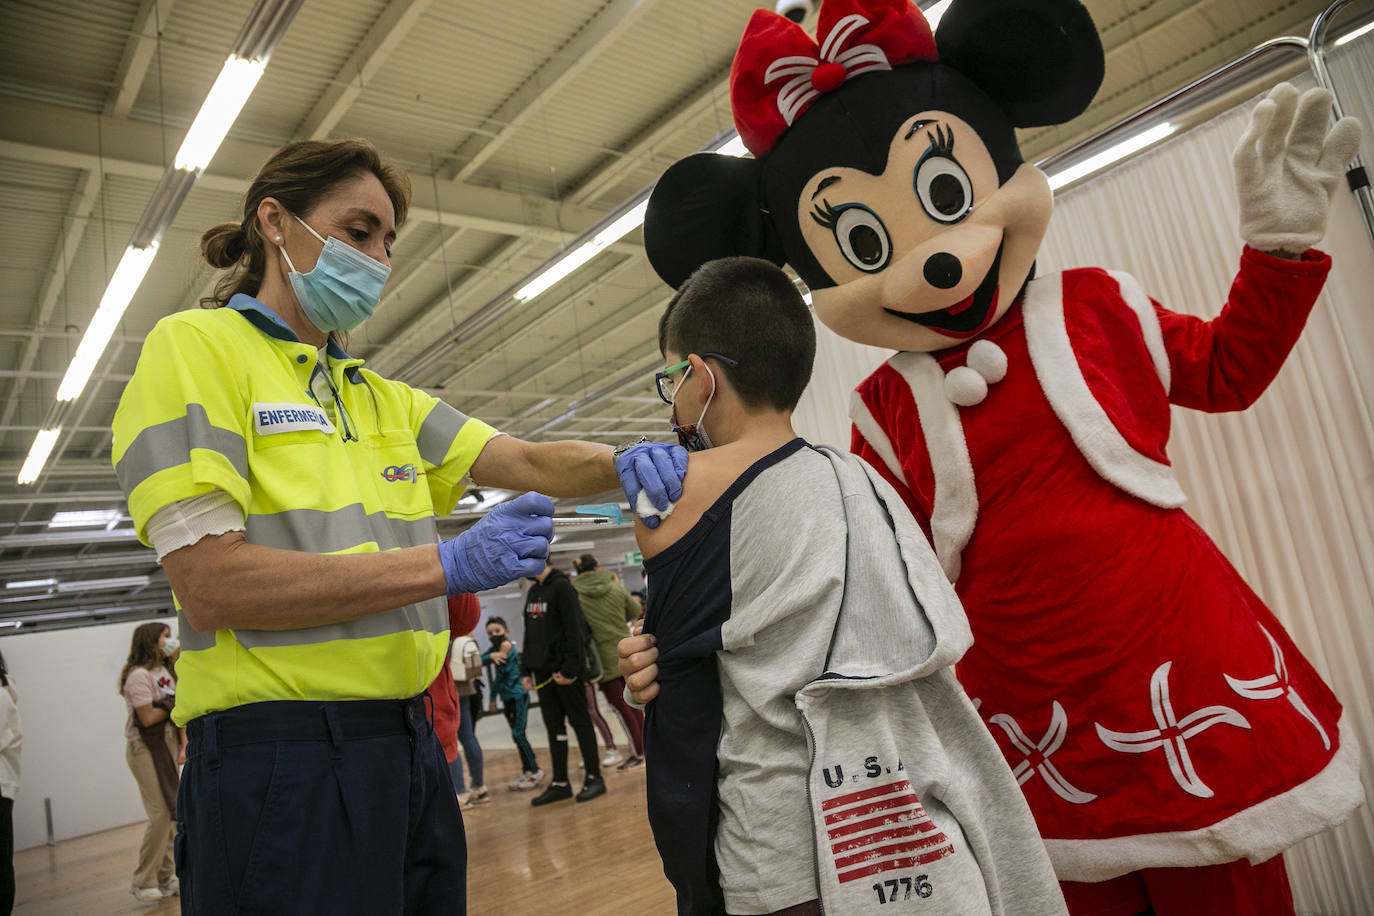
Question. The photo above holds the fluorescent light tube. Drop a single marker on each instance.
(127, 277)
(1105, 158)
(38, 455)
(222, 105)
(103, 585)
(84, 518)
(1351, 36)
(31, 583)
(556, 546)
(621, 227)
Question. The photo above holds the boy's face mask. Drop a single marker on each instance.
(693, 436)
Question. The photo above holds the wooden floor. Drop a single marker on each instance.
(590, 858)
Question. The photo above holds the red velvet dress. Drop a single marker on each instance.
(1154, 710)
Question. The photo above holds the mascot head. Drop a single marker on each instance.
(886, 169)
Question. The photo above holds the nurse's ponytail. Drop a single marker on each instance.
(223, 245)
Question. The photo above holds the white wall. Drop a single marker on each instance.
(73, 732)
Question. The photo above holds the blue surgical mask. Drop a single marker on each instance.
(344, 287)
(693, 436)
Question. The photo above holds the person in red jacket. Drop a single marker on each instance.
(464, 613)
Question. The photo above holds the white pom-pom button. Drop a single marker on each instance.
(988, 360)
(965, 387)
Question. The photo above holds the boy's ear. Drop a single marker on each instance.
(1041, 60)
(706, 207)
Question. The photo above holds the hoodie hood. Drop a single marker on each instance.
(594, 584)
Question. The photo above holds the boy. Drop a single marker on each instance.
(506, 686)
(808, 745)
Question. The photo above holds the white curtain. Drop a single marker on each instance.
(1286, 488)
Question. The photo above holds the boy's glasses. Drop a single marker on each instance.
(667, 385)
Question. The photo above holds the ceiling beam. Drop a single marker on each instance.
(551, 77)
(75, 222)
(385, 35)
(420, 331)
(49, 134)
(149, 22)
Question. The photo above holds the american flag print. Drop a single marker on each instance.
(879, 829)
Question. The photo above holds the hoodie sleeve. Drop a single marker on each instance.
(570, 623)
(632, 609)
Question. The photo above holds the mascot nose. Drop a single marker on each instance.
(943, 270)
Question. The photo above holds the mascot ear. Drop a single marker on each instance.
(1040, 60)
(706, 207)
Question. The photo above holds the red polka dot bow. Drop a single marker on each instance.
(780, 71)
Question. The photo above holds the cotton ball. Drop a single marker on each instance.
(965, 387)
(645, 508)
(988, 360)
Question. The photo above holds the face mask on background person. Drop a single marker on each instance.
(170, 646)
(693, 436)
(343, 288)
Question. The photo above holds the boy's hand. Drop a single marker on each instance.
(528, 683)
(493, 708)
(638, 666)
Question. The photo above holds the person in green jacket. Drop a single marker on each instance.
(609, 609)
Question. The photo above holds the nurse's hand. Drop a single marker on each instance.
(507, 543)
(656, 468)
(638, 666)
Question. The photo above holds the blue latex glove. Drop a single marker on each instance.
(656, 468)
(508, 542)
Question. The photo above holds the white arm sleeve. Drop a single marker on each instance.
(182, 523)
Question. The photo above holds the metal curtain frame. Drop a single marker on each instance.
(1357, 176)
(1260, 60)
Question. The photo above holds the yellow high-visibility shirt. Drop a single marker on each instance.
(222, 399)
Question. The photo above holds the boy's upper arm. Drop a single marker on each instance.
(706, 479)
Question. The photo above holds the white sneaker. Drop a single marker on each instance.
(145, 893)
(527, 781)
(611, 759)
(474, 796)
(171, 887)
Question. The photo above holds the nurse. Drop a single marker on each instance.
(291, 496)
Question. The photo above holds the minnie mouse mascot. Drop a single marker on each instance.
(1163, 726)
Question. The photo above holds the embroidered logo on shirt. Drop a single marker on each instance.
(401, 472)
(270, 419)
(880, 829)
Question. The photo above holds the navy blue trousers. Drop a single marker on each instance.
(303, 807)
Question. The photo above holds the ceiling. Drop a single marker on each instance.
(522, 122)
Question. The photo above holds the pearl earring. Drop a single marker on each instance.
(278, 240)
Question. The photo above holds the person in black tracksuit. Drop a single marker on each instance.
(553, 662)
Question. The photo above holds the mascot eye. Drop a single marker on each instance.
(861, 235)
(943, 187)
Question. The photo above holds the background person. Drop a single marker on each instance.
(609, 609)
(554, 665)
(152, 750)
(291, 495)
(507, 689)
(466, 667)
(11, 740)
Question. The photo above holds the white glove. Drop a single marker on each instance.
(1287, 168)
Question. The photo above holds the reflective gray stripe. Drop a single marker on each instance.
(327, 532)
(438, 432)
(429, 616)
(192, 640)
(317, 531)
(166, 445)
